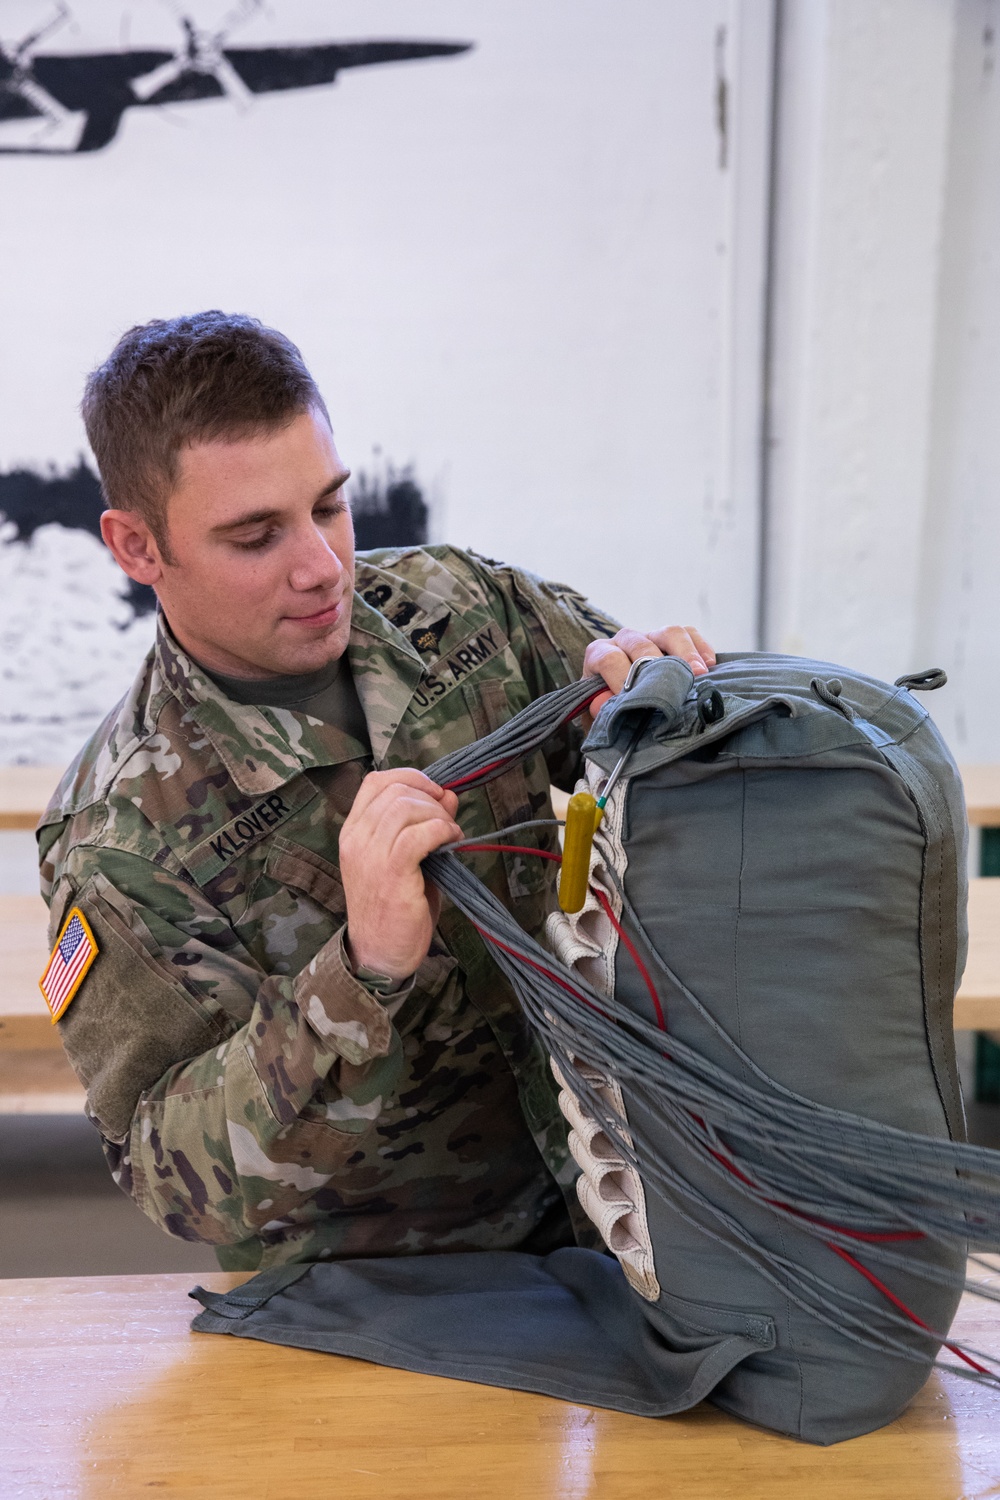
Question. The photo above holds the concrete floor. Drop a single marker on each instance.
(61, 1215)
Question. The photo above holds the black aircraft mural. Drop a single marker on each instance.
(388, 506)
(63, 103)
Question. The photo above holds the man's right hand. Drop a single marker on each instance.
(398, 818)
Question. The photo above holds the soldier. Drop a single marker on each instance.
(289, 1049)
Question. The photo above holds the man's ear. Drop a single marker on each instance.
(133, 545)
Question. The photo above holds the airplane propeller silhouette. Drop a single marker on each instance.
(17, 79)
(202, 53)
(72, 102)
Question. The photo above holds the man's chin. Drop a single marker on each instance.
(297, 657)
(302, 663)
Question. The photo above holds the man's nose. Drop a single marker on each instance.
(315, 564)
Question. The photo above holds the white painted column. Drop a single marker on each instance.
(729, 602)
(863, 125)
(959, 622)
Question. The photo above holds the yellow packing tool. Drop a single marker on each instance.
(583, 818)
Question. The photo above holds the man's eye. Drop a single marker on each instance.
(329, 511)
(256, 543)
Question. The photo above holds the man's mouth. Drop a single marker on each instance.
(328, 615)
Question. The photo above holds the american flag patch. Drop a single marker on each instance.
(72, 956)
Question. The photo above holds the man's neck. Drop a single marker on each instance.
(284, 690)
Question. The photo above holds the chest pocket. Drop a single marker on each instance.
(519, 794)
(307, 872)
(296, 905)
(311, 902)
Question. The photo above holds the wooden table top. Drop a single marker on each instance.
(106, 1392)
(977, 1004)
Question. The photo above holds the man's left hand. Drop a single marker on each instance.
(613, 659)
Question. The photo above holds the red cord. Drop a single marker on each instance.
(896, 1302)
(539, 968)
(854, 1234)
(869, 1276)
(511, 849)
(623, 935)
(449, 786)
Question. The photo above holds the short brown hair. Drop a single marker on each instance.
(177, 381)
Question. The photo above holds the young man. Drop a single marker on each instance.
(289, 1049)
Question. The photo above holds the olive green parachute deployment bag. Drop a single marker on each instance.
(750, 1019)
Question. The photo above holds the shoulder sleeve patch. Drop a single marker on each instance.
(74, 952)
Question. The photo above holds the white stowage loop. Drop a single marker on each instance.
(609, 1188)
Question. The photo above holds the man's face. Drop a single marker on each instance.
(262, 543)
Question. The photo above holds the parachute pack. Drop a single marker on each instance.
(750, 1020)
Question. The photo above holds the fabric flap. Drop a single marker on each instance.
(564, 1325)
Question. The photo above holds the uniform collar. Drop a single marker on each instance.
(400, 622)
(263, 747)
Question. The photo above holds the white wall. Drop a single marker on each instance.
(534, 271)
(863, 128)
(537, 272)
(514, 268)
(883, 525)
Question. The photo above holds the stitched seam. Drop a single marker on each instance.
(932, 995)
(739, 912)
(791, 1340)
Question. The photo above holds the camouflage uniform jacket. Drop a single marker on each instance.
(250, 1091)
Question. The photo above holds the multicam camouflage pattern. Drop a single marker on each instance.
(250, 1091)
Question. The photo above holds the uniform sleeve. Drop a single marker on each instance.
(226, 1097)
(550, 625)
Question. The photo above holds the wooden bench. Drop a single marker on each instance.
(25, 792)
(34, 1074)
(982, 794)
(977, 1005)
(110, 1393)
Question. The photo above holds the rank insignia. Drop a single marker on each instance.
(72, 956)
